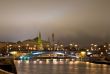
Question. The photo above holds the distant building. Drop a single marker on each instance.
(30, 44)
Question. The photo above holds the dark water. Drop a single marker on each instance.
(60, 67)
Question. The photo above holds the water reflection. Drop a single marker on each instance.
(27, 62)
(60, 66)
(34, 62)
(47, 61)
(71, 62)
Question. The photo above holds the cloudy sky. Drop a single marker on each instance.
(70, 20)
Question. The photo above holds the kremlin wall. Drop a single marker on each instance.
(31, 44)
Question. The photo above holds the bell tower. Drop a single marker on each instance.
(39, 42)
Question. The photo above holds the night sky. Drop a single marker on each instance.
(70, 20)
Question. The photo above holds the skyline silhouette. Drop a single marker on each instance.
(71, 21)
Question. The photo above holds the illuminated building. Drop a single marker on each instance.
(39, 42)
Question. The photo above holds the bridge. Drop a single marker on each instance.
(47, 54)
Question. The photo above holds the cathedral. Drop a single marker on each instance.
(39, 42)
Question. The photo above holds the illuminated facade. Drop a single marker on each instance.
(39, 42)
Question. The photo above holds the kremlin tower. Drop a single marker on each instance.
(39, 42)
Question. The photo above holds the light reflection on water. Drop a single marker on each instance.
(60, 67)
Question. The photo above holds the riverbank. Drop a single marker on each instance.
(4, 72)
(99, 61)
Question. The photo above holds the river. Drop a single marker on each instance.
(60, 67)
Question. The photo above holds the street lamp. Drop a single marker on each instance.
(104, 46)
(71, 44)
(76, 46)
(92, 44)
(27, 46)
(95, 46)
(87, 50)
(61, 45)
(99, 48)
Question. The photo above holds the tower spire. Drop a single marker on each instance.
(39, 34)
(53, 37)
(39, 42)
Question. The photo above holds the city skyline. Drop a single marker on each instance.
(71, 21)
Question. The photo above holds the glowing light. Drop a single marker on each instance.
(54, 59)
(27, 44)
(101, 53)
(67, 60)
(47, 61)
(19, 61)
(104, 46)
(40, 62)
(37, 53)
(104, 65)
(92, 44)
(34, 48)
(61, 62)
(76, 45)
(19, 46)
(83, 54)
(71, 62)
(73, 59)
(77, 57)
(59, 53)
(87, 62)
(10, 45)
(61, 59)
(71, 44)
(27, 62)
(34, 62)
(106, 50)
(76, 62)
(95, 45)
(37, 59)
(13, 53)
(61, 45)
(89, 53)
(55, 44)
(87, 50)
(55, 62)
